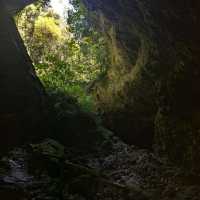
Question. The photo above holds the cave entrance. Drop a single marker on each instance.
(68, 53)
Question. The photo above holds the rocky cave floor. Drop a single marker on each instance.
(112, 171)
(93, 165)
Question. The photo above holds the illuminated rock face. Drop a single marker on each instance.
(150, 94)
(21, 92)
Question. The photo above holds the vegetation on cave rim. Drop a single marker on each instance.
(68, 53)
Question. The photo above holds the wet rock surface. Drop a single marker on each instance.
(114, 171)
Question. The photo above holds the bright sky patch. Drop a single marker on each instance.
(60, 6)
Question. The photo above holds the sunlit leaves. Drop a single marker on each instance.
(47, 29)
(67, 55)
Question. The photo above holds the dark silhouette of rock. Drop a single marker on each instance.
(150, 94)
(22, 95)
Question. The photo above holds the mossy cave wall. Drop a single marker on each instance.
(150, 95)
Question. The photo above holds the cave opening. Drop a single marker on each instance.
(51, 147)
(68, 53)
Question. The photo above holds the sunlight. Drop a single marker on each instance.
(60, 6)
(68, 54)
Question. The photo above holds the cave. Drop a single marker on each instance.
(149, 96)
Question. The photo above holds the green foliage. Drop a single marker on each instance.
(68, 54)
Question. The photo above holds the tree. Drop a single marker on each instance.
(68, 54)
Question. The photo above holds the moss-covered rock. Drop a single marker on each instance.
(152, 83)
(49, 148)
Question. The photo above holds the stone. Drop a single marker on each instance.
(150, 95)
(22, 94)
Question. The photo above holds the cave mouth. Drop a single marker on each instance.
(157, 94)
(69, 55)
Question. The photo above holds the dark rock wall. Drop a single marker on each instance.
(14, 6)
(21, 101)
(151, 90)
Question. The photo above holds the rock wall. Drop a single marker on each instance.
(150, 94)
(14, 6)
(22, 95)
